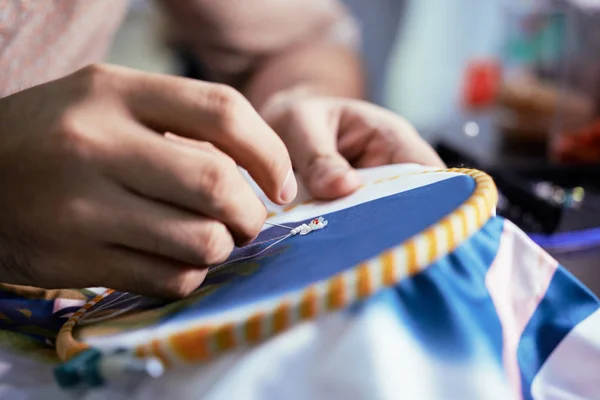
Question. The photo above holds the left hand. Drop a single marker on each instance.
(328, 137)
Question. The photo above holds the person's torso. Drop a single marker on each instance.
(42, 40)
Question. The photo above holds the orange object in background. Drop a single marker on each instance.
(579, 147)
(482, 81)
(486, 86)
(527, 107)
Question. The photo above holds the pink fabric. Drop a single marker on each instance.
(45, 40)
(61, 304)
(42, 40)
(517, 281)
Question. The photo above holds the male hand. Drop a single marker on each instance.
(327, 137)
(93, 194)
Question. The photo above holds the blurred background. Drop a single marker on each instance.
(508, 86)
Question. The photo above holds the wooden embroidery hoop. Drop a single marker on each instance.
(201, 342)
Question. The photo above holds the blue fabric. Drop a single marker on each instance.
(449, 319)
(36, 318)
(566, 303)
(32, 317)
(353, 235)
(448, 307)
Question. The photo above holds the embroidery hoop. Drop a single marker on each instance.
(203, 342)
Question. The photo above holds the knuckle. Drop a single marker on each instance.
(72, 137)
(301, 112)
(68, 127)
(183, 282)
(215, 244)
(95, 69)
(94, 77)
(229, 106)
(228, 162)
(75, 210)
(255, 217)
(215, 182)
(296, 115)
(224, 97)
(220, 197)
(205, 176)
(177, 283)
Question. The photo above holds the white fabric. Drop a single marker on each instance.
(572, 372)
(517, 284)
(341, 356)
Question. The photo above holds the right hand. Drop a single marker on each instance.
(93, 194)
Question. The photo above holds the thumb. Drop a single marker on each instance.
(329, 175)
(309, 131)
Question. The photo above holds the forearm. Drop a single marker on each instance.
(329, 69)
(271, 47)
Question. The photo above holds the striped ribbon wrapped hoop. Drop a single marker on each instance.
(177, 340)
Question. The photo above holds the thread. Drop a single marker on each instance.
(304, 229)
(281, 226)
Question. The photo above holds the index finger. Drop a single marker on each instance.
(217, 114)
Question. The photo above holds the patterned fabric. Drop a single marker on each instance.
(38, 313)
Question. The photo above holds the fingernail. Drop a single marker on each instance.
(290, 188)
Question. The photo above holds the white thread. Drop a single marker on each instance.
(103, 305)
(251, 256)
(94, 311)
(266, 241)
(304, 229)
(112, 303)
(281, 226)
(102, 318)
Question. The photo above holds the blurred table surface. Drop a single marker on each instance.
(487, 148)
